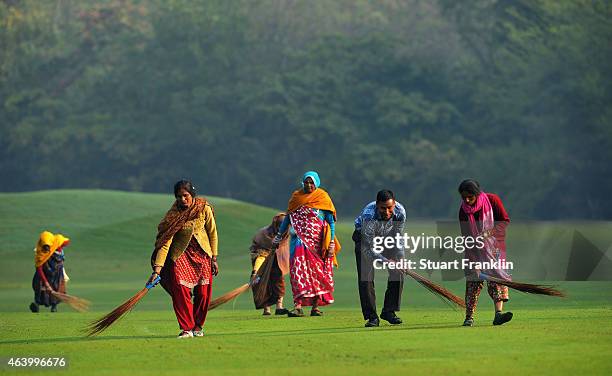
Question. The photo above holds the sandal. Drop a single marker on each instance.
(298, 312)
(316, 312)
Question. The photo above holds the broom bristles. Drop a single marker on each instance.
(529, 288)
(79, 304)
(98, 326)
(440, 291)
(261, 290)
(228, 296)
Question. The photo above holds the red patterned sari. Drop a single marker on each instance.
(311, 273)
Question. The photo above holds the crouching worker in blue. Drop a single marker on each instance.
(383, 217)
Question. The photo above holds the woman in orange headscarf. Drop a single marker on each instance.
(50, 275)
(313, 246)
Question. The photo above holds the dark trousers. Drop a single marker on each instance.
(365, 280)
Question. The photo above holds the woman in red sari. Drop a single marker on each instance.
(313, 246)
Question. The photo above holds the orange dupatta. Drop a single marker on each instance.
(317, 199)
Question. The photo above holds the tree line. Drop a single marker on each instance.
(243, 97)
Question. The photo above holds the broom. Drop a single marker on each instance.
(446, 295)
(436, 289)
(529, 288)
(228, 296)
(100, 325)
(262, 278)
(78, 304)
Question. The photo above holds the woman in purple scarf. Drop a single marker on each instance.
(483, 214)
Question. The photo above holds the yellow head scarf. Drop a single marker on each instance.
(53, 241)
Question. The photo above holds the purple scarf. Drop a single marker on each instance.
(489, 252)
(482, 203)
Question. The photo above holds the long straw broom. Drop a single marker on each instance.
(100, 325)
(228, 296)
(77, 303)
(261, 279)
(529, 288)
(442, 292)
(436, 289)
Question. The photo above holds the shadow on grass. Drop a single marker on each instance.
(359, 329)
(78, 339)
(262, 333)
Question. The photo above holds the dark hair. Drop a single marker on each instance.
(385, 195)
(186, 185)
(470, 186)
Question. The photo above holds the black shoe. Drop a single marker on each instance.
(266, 313)
(54, 308)
(316, 312)
(34, 307)
(372, 322)
(298, 312)
(281, 311)
(391, 318)
(502, 318)
(468, 322)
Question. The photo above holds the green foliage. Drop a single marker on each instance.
(243, 96)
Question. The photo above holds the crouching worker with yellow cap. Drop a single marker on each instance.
(50, 275)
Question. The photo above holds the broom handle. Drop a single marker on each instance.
(486, 277)
(153, 283)
(409, 272)
(255, 278)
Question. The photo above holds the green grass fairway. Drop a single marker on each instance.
(112, 235)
